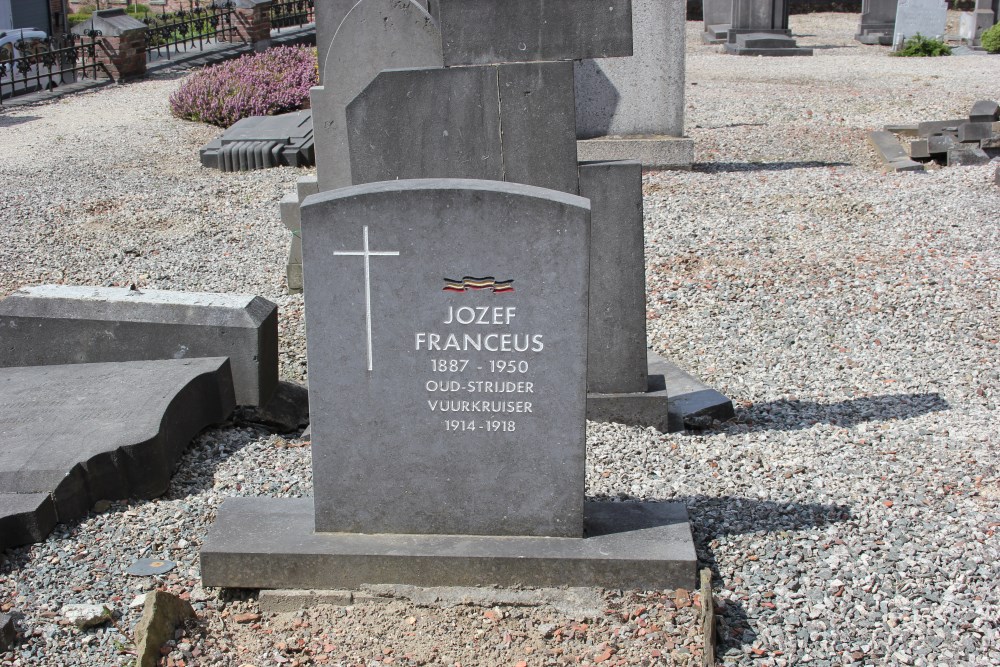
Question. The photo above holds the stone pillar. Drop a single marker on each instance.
(251, 24)
(121, 42)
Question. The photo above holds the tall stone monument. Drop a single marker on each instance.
(449, 294)
(973, 24)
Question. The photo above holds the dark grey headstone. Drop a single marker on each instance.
(76, 434)
(616, 347)
(760, 28)
(506, 123)
(479, 32)
(386, 356)
(373, 35)
(985, 111)
(60, 324)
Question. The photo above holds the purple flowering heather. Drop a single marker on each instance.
(261, 84)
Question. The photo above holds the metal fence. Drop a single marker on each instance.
(44, 64)
(292, 13)
(191, 28)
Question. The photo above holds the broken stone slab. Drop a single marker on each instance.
(967, 155)
(261, 142)
(974, 132)
(984, 111)
(283, 600)
(928, 128)
(8, 633)
(939, 145)
(75, 434)
(892, 154)
(919, 150)
(573, 601)
(86, 615)
(904, 129)
(161, 614)
(288, 409)
(60, 324)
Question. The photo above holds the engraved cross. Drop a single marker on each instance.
(366, 253)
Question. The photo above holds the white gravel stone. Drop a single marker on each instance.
(849, 512)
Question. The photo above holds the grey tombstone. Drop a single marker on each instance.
(482, 32)
(919, 17)
(373, 35)
(760, 28)
(716, 16)
(79, 433)
(447, 340)
(633, 108)
(973, 24)
(499, 122)
(402, 354)
(60, 324)
(878, 18)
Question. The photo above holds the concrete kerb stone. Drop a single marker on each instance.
(61, 324)
(892, 154)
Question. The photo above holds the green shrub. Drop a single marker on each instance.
(991, 39)
(919, 46)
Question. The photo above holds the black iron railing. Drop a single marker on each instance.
(44, 64)
(292, 13)
(191, 28)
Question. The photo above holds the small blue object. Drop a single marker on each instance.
(145, 567)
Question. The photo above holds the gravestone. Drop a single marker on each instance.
(973, 24)
(716, 16)
(75, 434)
(447, 340)
(760, 28)
(919, 17)
(633, 108)
(878, 18)
(62, 324)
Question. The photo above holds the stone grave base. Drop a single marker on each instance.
(659, 152)
(764, 43)
(675, 400)
(715, 34)
(268, 543)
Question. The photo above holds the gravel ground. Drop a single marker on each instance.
(849, 513)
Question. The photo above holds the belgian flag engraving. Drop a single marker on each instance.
(472, 283)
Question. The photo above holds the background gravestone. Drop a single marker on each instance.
(760, 28)
(920, 17)
(878, 19)
(716, 15)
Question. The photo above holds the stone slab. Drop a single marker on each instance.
(764, 44)
(715, 14)
(288, 209)
(931, 127)
(381, 403)
(967, 155)
(716, 34)
(673, 401)
(923, 17)
(305, 186)
(61, 324)
(984, 111)
(81, 433)
(887, 146)
(505, 123)
(25, 518)
(481, 32)
(904, 129)
(974, 132)
(938, 145)
(260, 142)
(283, 601)
(8, 633)
(616, 343)
(641, 95)
(370, 36)
(270, 543)
(653, 152)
